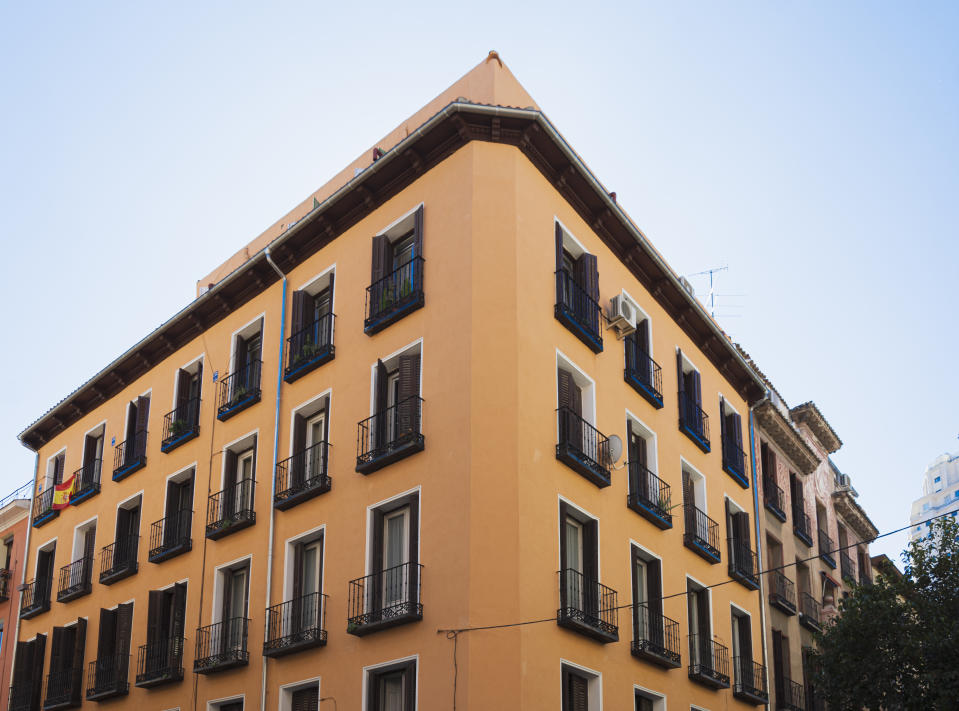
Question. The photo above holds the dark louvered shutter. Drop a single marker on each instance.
(229, 468)
(590, 277)
(380, 400)
(381, 258)
(741, 528)
(559, 247)
(107, 636)
(736, 425)
(563, 553)
(59, 657)
(418, 232)
(571, 398)
(688, 503)
(124, 630)
(722, 420)
(76, 663)
(778, 666)
(635, 475)
(326, 419)
(637, 593)
(143, 417)
(179, 609)
(306, 699)
(58, 463)
(183, 380)
(154, 617)
(377, 564)
(654, 592)
(565, 385)
(36, 692)
(578, 692)
(409, 390)
(591, 553)
(253, 463)
(301, 315)
(414, 554)
(297, 471)
(641, 336)
(702, 605)
(744, 630)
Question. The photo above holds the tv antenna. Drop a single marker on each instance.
(711, 296)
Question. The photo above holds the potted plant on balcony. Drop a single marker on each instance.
(178, 427)
(238, 395)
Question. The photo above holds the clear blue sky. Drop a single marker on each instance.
(811, 147)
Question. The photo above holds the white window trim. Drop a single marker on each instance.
(77, 544)
(595, 683)
(214, 704)
(652, 458)
(217, 601)
(309, 283)
(315, 400)
(416, 677)
(238, 446)
(568, 234)
(399, 220)
(418, 490)
(288, 544)
(237, 332)
(176, 375)
(286, 691)
(659, 701)
(589, 394)
(699, 484)
(48, 476)
(591, 517)
(642, 315)
(734, 506)
(724, 404)
(395, 354)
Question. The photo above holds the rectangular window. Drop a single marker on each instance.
(655, 636)
(27, 677)
(65, 680)
(693, 421)
(743, 562)
(311, 342)
(396, 274)
(113, 652)
(183, 422)
(166, 622)
(89, 474)
(577, 290)
(392, 687)
(241, 388)
(734, 458)
(580, 689)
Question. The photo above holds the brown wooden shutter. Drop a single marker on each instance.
(326, 419)
(736, 422)
(409, 388)
(654, 583)
(79, 643)
(741, 528)
(722, 419)
(301, 315)
(679, 373)
(107, 636)
(230, 466)
(634, 579)
(778, 665)
(183, 379)
(563, 555)
(36, 693)
(641, 336)
(559, 247)
(565, 387)
(58, 466)
(143, 413)
(298, 570)
(89, 542)
(688, 499)
(590, 277)
(253, 463)
(381, 398)
(745, 641)
(306, 699)
(414, 536)
(577, 692)
(124, 631)
(591, 553)
(376, 541)
(179, 609)
(418, 232)
(154, 615)
(702, 603)
(380, 265)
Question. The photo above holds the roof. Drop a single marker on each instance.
(809, 414)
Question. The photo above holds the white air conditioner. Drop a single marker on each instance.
(845, 481)
(622, 315)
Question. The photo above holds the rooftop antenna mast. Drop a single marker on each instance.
(711, 296)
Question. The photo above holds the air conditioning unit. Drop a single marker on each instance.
(622, 315)
(845, 481)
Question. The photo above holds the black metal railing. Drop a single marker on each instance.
(43, 509)
(810, 611)
(160, 661)
(302, 476)
(585, 603)
(309, 347)
(826, 551)
(181, 424)
(171, 535)
(75, 579)
(847, 567)
(578, 311)
(5, 575)
(389, 435)
(708, 661)
(222, 645)
(295, 624)
(231, 509)
(21, 696)
(655, 636)
(790, 696)
(743, 563)
(108, 677)
(782, 592)
(693, 420)
(119, 559)
(35, 597)
(88, 480)
(774, 498)
(649, 495)
(702, 533)
(749, 679)
(130, 455)
(395, 295)
(60, 688)
(238, 390)
(583, 447)
(801, 526)
(644, 372)
(385, 598)
(734, 458)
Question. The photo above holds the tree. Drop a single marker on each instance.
(895, 644)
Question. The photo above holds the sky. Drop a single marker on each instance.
(812, 148)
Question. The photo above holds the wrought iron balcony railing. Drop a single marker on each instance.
(643, 374)
(75, 579)
(43, 510)
(130, 455)
(230, 510)
(734, 460)
(63, 689)
(693, 421)
(743, 564)
(847, 567)
(21, 696)
(222, 645)
(708, 662)
(790, 696)
(160, 662)
(88, 481)
(582, 447)
(774, 499)
(119, 560)
(649, 496)
(309, 348)
(577, 310)
(701, 534)
(655, 637)
(181, 424)
(170, 536)
(295, 625)
(107, 678)
(587, 606)
(801, 526)
(826, 550)
(35, 597)
(394, 296)
(810, 612)
(239, 390)
(782, 592)
(302, 476)
(750, 681)
(385, 599)
(390, 435)
(5, 576)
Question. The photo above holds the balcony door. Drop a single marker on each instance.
(700, 648)
(179, 511)
(396, 555)
(573, 563)
(315, 433)
(307, 584)
(235, 600)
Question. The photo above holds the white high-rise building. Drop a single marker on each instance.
(940, 493)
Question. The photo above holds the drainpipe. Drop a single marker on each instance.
(276, 445)
(24, 558)
(759, 544)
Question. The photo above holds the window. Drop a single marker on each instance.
(577, 290)
(311, 327)
(301, 697)
(231, 509)
(396, 274)
(701, 533)
(307, 578)
(304, 475)
(708, 659)
(655, 636)
(579, 444)
(392, 687)
(183, 423)
(170, 535)
(241, 388)
(692, 420)
(131, 454)
(586, 605)
(781, 668)
(119, 559)
(581, 689)
(649, 495)
(772, 493)
(743, 564)
(750, 680)
(55, 467)
(27, 674)
(642, 372)
(162, 656)
(36, 597)
(232, 705)
(76, 578)
(88, 477)
(649, 701)
(113, 653)
(734, 458)
(65, 680)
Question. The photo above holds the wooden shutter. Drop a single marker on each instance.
(124, 631)
(107, 637)
(559, 247)
(590, 277)
(306, 699)
(143, 414)
(301, 315)
(679, 374)
(744, 629)
(641, 336)
(298, 571)
(722, 419)
(253, 463)
(36, 664)
(741, 528)
(414, 536)
(89, 543)
(326, 419)
(154, 616)
(565, 383)
(702, 604)
(418, 232)
(58, 465)
(577, 693)
(688, 499)
(183, 380)
(409, 387)
(381, 258)
(563, 555)
(654, 586)
(778, 665)
(736, 423)
(376, 541)
(179, 609)
(591, 553)
(79, 643)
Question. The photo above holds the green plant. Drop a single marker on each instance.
(178, 427)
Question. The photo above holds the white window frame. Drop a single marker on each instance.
(285, 702)
(418, 490)
(409, 349)
(219, 583)
(699, 484)
(652, 442)
(585, 383)
(415, 658)
(595, 683)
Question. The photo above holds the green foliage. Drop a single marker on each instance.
(895, 644)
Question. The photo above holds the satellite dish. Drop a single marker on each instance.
(615, 448)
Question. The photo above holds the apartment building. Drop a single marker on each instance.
(940, 494)
(454, 388)
(14, 523)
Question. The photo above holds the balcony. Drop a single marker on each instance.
(734, 461)
(302, 476)
(63, 689)
(708, 662)
(810, 612)
(583, 448)
(847, 567)
(21, 697)
(649, 496)
(239, 390)
(782, 592)
(295, 625)
(790, 696)
(181, 425)
(309, 348)
(801, 526)
(130, 455)
(774, 499)
(107, 678)
(655, 638)
(394, 296)
(743, 564)
(587, 606)
(170, 536)
(576, 310)
(43, 510)
(35, 598)
(643, 374)
(385, 599)
(826, 550)
(230, 510)
(119, 560)
(5, 575)
(750, 681)
(702, 533)
(160, 662)
(390, 435)
(88, 481)
(75, 579)
(222, 646)
(693, 422)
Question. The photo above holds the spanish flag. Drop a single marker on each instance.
(63, 492)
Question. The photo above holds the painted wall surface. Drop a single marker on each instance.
(13, 525)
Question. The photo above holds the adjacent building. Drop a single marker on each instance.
(940, 494)
(14, 523)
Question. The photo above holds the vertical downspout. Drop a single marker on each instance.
(276, 445)
(24, 559)
(759, 543)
